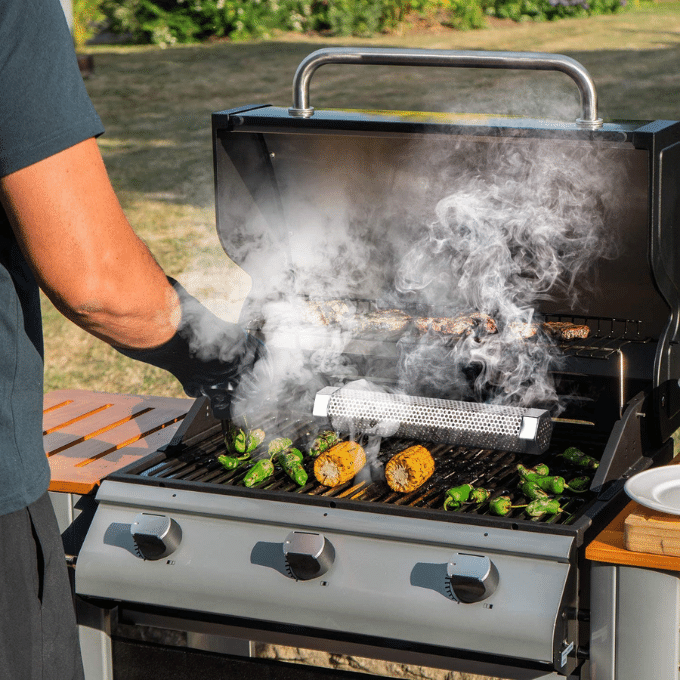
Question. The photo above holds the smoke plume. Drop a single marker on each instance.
(435, 227)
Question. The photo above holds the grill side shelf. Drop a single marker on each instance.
(88, 435)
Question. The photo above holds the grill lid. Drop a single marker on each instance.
(327, 207)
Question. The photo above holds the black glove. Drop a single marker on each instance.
(210, 357)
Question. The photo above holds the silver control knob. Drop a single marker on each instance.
(473, 578)
(307, 555)
(155, 536)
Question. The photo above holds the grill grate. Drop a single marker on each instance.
(493, 469)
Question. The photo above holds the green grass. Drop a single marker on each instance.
(156, 105)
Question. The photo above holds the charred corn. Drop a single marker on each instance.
(339, 464)
(409, 469)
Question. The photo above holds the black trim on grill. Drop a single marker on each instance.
(249, 629)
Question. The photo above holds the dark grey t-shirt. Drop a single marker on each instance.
(44, 109)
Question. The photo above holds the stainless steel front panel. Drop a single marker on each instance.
(388, 578)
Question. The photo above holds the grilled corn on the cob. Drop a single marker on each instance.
(339, 464)
(409, 469)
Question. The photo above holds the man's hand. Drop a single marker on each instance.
(212, 358)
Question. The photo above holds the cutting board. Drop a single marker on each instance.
(651, 531)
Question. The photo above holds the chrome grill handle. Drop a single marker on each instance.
(536, 61)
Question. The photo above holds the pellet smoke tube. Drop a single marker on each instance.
(489, 426)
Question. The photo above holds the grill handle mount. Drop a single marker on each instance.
(534, 61)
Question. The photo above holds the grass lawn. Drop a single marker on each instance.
(156, 105)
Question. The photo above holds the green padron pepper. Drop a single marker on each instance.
(322, 442)
(500, 506)
(279, 445)
(532, 490)
(291, 462)
(577, 457)
(257, 474)
(480, 495)
(579, 484)
(550, 484)
(457, 495)
(232, 462)
(540, 470)
(240, 441)
(243, 441)
(293, 454)
(255, 438)
(543, 506)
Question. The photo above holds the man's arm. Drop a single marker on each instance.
(86, 257)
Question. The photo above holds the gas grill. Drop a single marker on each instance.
(323, 208)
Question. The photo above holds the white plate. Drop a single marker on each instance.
(658, 489)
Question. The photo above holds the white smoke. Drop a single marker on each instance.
(523, 228)
(436, 228)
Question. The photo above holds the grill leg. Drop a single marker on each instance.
(94, 627)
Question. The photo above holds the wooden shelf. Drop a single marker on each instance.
(88, 435)
(610, 544)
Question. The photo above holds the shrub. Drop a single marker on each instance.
(465, 14)
(169, 21)
(87, 17)
(539, 10)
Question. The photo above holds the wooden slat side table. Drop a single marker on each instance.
(88, 435)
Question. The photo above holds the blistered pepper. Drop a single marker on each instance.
(291, 462)
(232, 462)
(243, 441)
(480, 495)
(279, 445)
(532, 490)
(543, 506)
(259, 472)
(540, 470)
(457, 495)
(322, 442)
(293, 454)
(550, 484)
(297, 473)
(500, 506)
(255, 438)
(577, 457)
(579, 484)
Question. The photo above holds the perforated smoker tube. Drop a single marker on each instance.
(508, 428)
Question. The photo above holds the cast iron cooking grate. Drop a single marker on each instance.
(495, 470)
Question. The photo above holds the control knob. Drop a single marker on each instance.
(472, 578)
(155, 536)
(307, 555)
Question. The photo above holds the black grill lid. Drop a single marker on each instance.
(329, 207)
